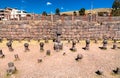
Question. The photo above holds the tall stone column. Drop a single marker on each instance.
(87, 44)
(58, 45)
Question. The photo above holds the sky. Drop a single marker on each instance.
(38, 6)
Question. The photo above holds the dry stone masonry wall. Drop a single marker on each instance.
(38, 29)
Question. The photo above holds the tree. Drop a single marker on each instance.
(75, 13)
(116, 4)
(82, 11)
(57, 11)
(44, 13)
(116, 8)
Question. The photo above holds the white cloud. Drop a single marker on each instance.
(48, 3)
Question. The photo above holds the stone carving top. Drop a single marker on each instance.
(9, 44)
(58, 33)
(73, 42)
(41, 44)
(87, 41)
(26, 44)
(104, 41)
(1, 52)
(10, 64)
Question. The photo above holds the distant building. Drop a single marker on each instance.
(13, 14)
(4, 14)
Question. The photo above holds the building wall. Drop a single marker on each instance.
(11, 13)
(17, 14)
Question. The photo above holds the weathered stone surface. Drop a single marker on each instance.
(116, 71)
(26, 45)
(114, 44)
(11, 68)
(68, 40)
(1, 40)
(98, 72)
(39, 60)
(58, 46)
(79, 56)
(87, 44)
(73, 48)
(105, 42)
(16, 57)
(46, 39)
(41, 46)
(64, 53)
(48, 52)
(1, 54)
(68, 29)
(9, 45)
(96, 40)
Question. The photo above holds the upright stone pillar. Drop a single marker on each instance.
(9, 45)
(46, 39)
(16, 57)
(41, 46)
(114, 44)
(73, 46)
(1, 40)
(11, 68)
(96, 40)
(57, 44)
(104, 44)
(87, 44)
(26, 45)
(116, 71)
(1, 54)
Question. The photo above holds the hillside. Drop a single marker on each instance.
(88, 11)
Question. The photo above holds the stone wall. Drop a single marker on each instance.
(65, 18)
(70, 29)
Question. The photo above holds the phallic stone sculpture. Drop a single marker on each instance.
(48, 52)
(98, 72)
(57, 44)
(39, 60)
(26, 45)
(104, 47)
(41, 46)
(79, 56)
(116, 71)
(114, 44)
(1, 40)
(87, 44)
(1, 54)
(96, 40)
(16, 57)
(11, 68)
(46, 40)
(9, 45)
(73, 46)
